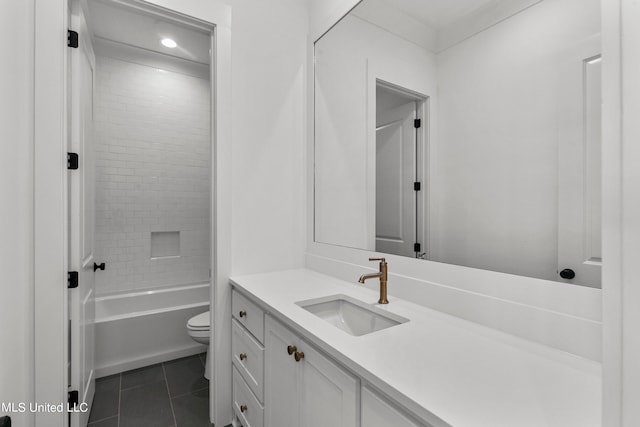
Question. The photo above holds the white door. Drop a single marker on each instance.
(281, 376)
(310, 391)
(82, 220)
(579, 161)
(395, 175)
(328, 394)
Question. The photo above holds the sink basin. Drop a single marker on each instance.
(351, 315)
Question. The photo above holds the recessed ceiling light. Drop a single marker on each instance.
(169, 43)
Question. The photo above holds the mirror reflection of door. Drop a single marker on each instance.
(398, 191)
(579, 161)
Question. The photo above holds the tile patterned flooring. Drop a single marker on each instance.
(169, 394)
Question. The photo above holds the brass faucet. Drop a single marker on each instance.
(383, 279)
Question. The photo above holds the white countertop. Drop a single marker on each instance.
(441, 367)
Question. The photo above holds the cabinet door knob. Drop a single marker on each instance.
(243, 313)
(243, 356)
(299, 356)
(243, 408)
(291, 349)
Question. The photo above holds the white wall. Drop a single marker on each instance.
(495, 158)
(260, 151)
(152, 175)
(16, 207)
(349, 59)
(324, 13)
(269, 85)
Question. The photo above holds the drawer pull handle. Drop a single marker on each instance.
(299, 356)
(242, 356)
(291, 349)
(243, 408)
(243, 313)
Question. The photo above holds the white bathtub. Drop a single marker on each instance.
(142, 328)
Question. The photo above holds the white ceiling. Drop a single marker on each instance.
(121, 24)
(439, 14)
(438, 24)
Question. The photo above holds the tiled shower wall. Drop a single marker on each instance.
(152, 177)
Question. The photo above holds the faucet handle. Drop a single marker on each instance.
(382, 260)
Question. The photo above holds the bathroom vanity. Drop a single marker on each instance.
(312, 350)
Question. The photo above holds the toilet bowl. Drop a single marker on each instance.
(198, 328)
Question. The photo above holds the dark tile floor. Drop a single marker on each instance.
(169, 394)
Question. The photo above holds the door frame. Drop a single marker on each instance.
(621, 210)
(51, 244)
(423, 156)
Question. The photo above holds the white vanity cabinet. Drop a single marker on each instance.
(372, 380)
(303, 388)
(248, 361)
(280, 380)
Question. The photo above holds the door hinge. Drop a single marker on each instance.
(416, 186)
(72, 399)
(72, 38)
(72, 161)
(416, 247)
(72, 279)
(417, 123)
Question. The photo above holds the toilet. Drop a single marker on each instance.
(198, 328)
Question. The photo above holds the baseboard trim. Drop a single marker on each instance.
(148, 359)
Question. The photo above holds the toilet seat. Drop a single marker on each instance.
(199, 323)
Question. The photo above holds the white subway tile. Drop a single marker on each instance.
(153, 174)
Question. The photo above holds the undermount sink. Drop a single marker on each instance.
(352, 316)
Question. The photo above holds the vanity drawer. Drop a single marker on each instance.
(245, 405)
(248, 314)
(248, 357)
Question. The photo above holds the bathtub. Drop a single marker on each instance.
(141, 328)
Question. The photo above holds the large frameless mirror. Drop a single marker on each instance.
(465, 132)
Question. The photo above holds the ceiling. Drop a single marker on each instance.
(439, 14)
(438, 24)
(125, 25)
